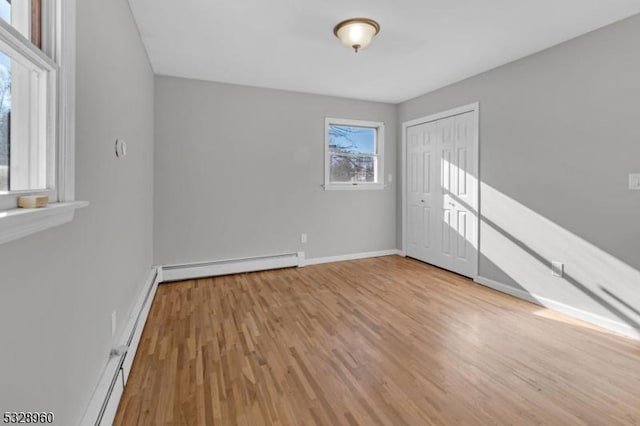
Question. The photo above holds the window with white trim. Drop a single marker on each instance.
(354, 154)
(28, 102)
(37, 113)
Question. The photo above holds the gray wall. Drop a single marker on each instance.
(58, 287)
(239, 173)
(559, 135)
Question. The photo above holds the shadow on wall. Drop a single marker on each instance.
(523, 243)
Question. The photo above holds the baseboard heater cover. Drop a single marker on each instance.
(230, 266)
(106, 397)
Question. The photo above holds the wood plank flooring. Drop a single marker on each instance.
(384, 341)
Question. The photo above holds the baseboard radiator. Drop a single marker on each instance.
(231, 266)
(106, 397)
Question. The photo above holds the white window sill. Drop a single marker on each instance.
(352, 187)
(18, 223)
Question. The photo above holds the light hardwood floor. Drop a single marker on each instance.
(384, 341)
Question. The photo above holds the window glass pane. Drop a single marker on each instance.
(23, 126)
(18, 14)
(5, 114)
(352, 140)
(5, 10)
(352, 168)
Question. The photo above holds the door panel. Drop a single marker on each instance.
(445, 180)
(462, 172)
(461, 240)
(421, 190)
(413, 225)
(446, 235)
(464, 196)
(426, 227)
(415, 167)
(426, 176)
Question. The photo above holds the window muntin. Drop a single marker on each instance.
(353, 154)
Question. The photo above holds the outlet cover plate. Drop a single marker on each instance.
(634, 181)
(114, 323)
(557, 269)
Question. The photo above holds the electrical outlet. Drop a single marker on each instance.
(303, 238)
(634, 181)
(557, 269)
(390, 178)
(114, 323)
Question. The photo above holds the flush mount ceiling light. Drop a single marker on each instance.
(356, 33)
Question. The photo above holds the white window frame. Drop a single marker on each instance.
(59, 41)
(379, 154)
(33, 59)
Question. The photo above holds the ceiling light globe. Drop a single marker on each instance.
(356, 33)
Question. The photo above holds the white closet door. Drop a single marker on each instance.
(446, 214)
(441, 193)
(422, 179)
(463, 196)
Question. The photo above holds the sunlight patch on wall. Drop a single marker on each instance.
(523, 243)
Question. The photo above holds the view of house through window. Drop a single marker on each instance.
(352, 154)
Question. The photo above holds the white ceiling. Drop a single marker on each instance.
(423, 44)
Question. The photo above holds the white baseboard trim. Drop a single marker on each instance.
(580, 314)
(106, 396)
(230, 266)
(504, 288)
(353, 256)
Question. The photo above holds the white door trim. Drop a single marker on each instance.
(475, 108)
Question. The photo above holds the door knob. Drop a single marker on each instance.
(422, 201)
